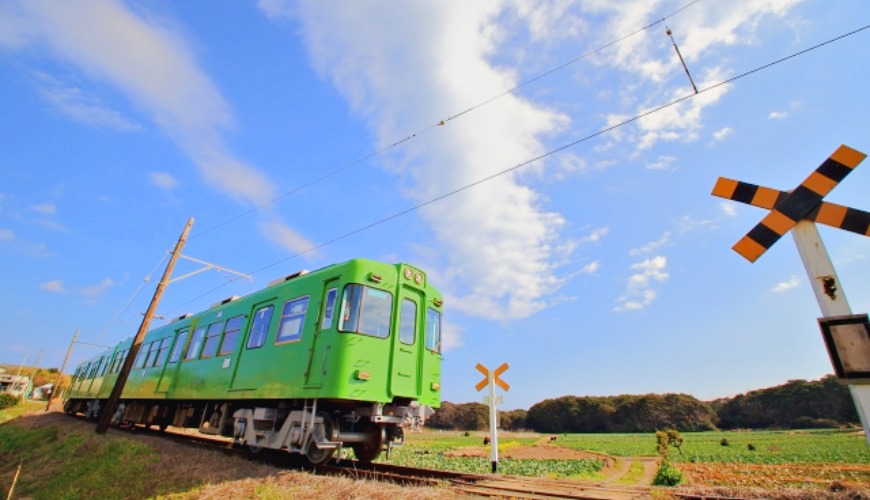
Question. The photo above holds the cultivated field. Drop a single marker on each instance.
(63, 458)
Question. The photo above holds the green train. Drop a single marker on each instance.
(347, 355)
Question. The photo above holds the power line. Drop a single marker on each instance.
(539, 157)
(444, 121)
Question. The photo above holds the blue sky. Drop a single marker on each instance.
(603, 268)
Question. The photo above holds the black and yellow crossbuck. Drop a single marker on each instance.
(805, 202)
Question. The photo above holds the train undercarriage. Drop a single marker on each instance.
(316, 429)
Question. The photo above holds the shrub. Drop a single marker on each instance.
(667, 475)
(8, 400)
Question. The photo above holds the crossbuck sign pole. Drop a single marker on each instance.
(491, 379)
(797, 211)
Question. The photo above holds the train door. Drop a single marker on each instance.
(405, 367)
(170, 366)
(321, 343)
(252, 360)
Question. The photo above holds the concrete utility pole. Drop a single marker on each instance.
(112, 402)
(56, 388)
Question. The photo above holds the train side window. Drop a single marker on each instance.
(433, 330)
(179, 346)
(408, 322)
(195, 343)
(141, 356)
(212, 338)
(163, 351)
(231, 335)
(260, 327)
(153, 349)
(104, 366)
(292, 320)
(329, 309)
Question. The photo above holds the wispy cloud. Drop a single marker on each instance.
(149, 61)
(163, 180)
(7, 235)
(76, 104)
(663, 162)
(728, 208)
(53, 286)
(596, 235)
(96, 290)
(778, 115)
(44, 208)
(639, 292)
(722, 133)
(786, 285)
(652, 246)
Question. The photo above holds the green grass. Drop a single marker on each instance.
(16, 411)
(771, 447)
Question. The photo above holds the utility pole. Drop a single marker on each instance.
(115, 396)
(56, 388)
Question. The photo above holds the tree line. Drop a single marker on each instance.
(797, 404)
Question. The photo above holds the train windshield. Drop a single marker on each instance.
(366, 310)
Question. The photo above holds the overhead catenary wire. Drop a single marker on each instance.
(444, 121)
(539, 157)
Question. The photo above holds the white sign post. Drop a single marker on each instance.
(491, 378)
(797, 211)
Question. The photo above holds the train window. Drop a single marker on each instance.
(260, 327)
(329, 309)
(153, 349)
(433, 330)
(408, 321)
(366, 310)
(179, 346)
(212, 338)
(195, 343)
(94, 368)
(292, 320)
(231, 335)
(141, 356)
(104, 365)
(163, 351)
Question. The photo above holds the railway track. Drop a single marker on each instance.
(485, 485)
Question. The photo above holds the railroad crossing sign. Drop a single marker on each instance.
(797, 211)
(491, 379)
(495, 377)
(796, 205)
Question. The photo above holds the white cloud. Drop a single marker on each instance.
(76, 104)
(596, 235)
(652, 246)
(639, 293)
(7, 235)
(54, 286)
(284, 236)
(591, 268)
(163, 180)
(650, 57)
(688, 223)
(722, 133)
(778, 115)
(786, 285)
(663, 162)
(98, 289)
(413, 60)
(44, 208)
(152, 65)
(728, 208)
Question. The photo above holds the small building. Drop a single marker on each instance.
(15, 385)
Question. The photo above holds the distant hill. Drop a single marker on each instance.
(797, 404)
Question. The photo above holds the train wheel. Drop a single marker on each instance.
(369, 449)
(315, 455)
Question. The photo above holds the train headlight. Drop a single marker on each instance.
(409, 274)
(362, 375)
(418, 278)
(436, 386)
